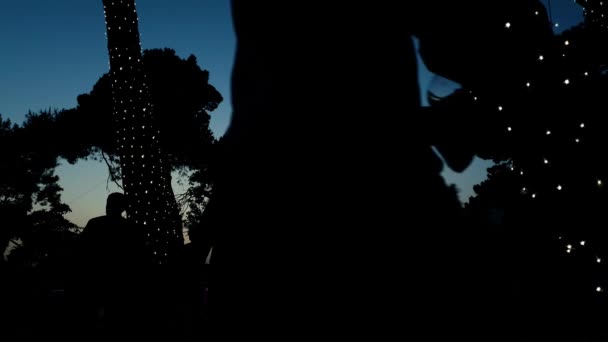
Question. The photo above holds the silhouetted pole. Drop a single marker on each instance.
(145, 170)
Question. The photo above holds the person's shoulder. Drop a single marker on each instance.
(96, 221)
(98, 218)
(94, 228)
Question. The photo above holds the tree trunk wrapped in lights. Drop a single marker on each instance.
(146, 174)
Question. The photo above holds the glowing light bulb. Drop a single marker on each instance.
(500, 108)
(546, 161)
(508, 25)
(599, 289)
(582, 125)
(509, 129)
(528, 84)
(559, 187)
(583, 243)
(541, 57)
(566, 81)
(566, 43)
(548, 132)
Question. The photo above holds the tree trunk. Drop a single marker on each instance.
(145, 170)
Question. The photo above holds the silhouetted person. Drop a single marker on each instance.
(111, 258)
(329, 212)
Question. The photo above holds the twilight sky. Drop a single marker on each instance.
(54, 50)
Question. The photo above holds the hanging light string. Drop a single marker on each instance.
(146, 173)
(501, 108)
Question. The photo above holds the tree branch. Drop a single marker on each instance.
(111, 175)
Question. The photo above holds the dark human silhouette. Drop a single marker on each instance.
(112, 263)
(329, 213)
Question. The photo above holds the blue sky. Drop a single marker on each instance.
(54, 50)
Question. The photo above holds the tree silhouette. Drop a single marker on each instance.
(30, 197)
(182, 98)
(87, 132)
(146, 172)
(551, 191)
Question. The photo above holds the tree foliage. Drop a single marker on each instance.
(182, 98)
(30, 195)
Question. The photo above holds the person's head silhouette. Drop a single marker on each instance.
(116, 204)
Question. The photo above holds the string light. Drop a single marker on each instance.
(146, 198)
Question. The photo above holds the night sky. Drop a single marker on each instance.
(52, 51)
